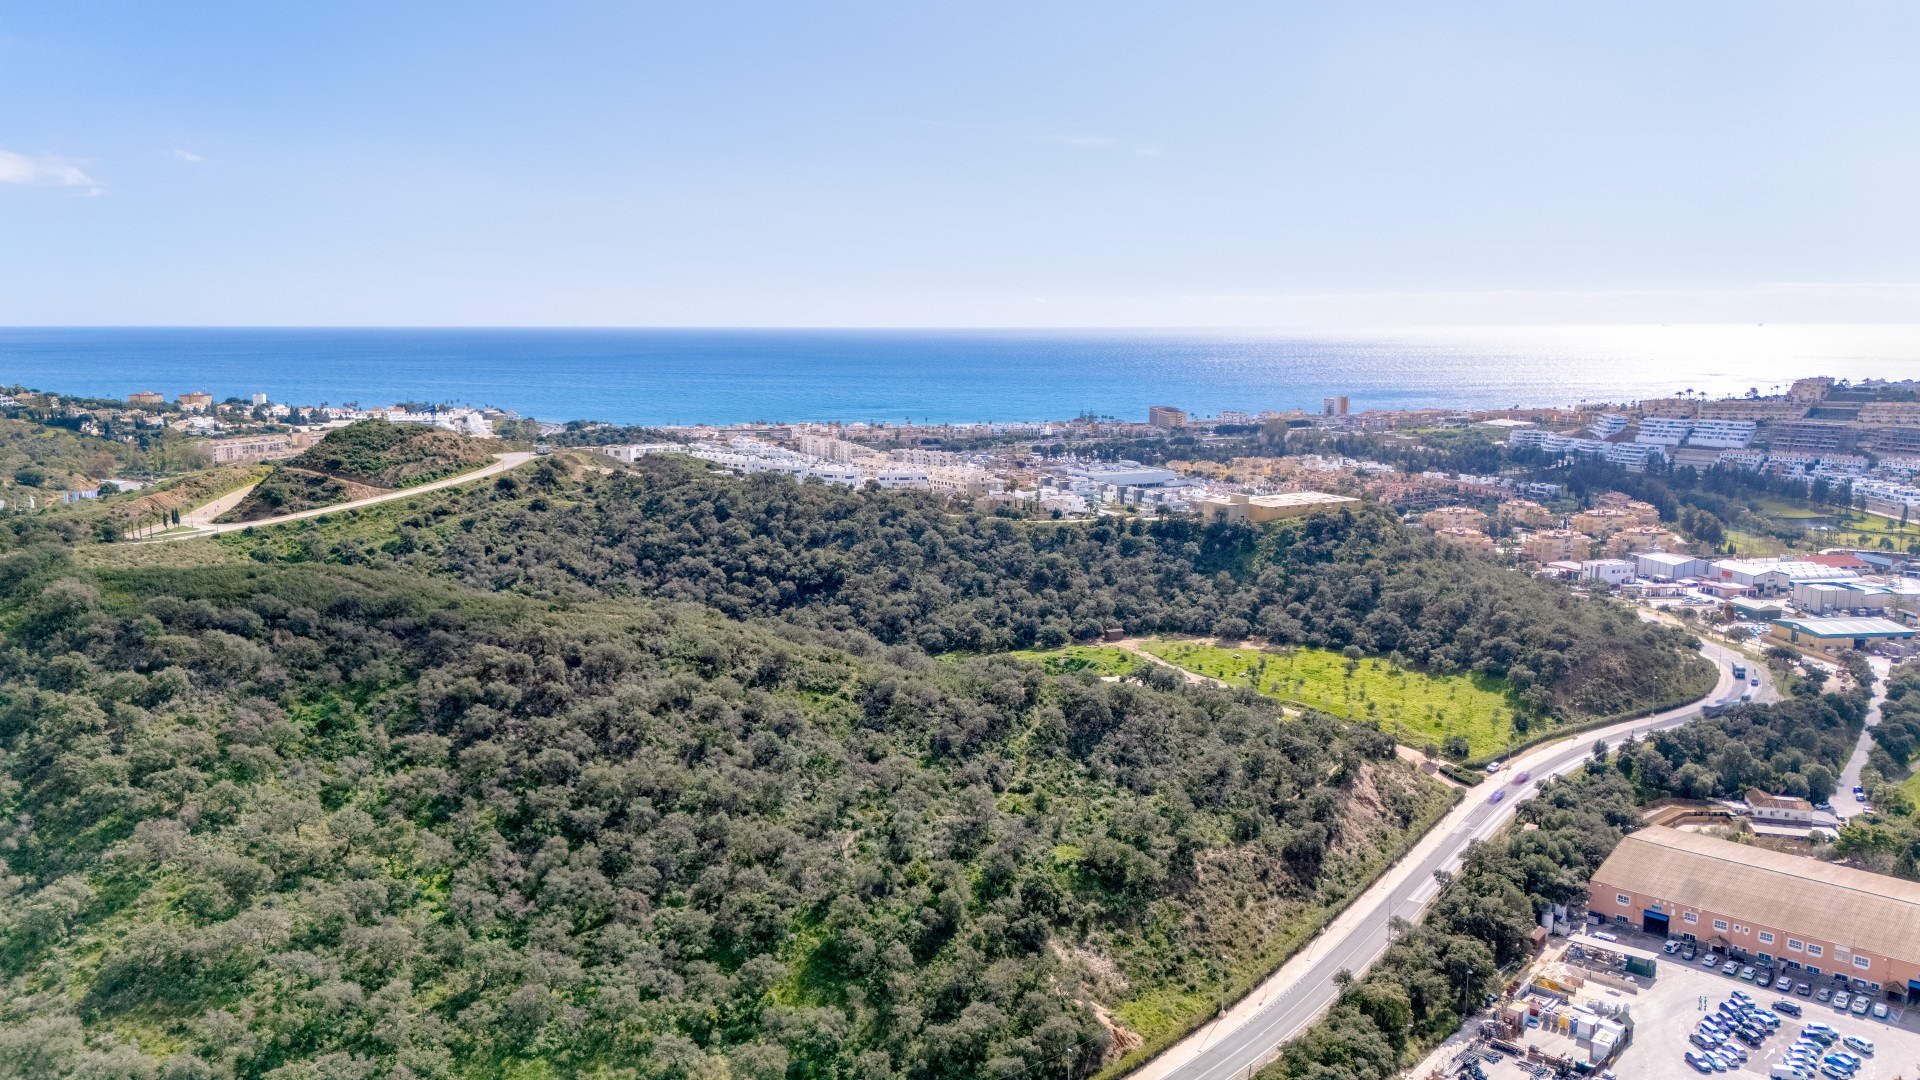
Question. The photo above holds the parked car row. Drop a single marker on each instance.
(1721, 1035)
(1739, 1020)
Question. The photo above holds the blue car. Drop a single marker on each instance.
(1699, 1062)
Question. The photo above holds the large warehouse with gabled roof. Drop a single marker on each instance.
(1820, 921)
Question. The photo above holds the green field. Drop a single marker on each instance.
(1099, 659)
(1418, 708)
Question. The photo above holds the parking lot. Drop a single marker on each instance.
(1668, 1011)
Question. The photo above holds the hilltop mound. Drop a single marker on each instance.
(383, 455)
(359, 461)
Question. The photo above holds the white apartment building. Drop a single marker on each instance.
(1727, 434)
(903, 476)
(1608, 424)
(635, 451)
(1663, 430)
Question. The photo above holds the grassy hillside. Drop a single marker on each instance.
(315, 820)
(360, 460)
(1420, 708)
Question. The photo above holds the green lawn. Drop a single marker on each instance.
(1417, 708)
(1100, 659)
(1910, 787)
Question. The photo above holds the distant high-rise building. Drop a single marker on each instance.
(1334, 406)
(1166, 416)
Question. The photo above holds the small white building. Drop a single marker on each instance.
(1778, 809)
(1611, 571)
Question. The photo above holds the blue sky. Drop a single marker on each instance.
(975, 164)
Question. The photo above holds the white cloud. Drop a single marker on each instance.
(187, 155)
(21, 169)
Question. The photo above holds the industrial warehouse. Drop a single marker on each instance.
(1822, 923)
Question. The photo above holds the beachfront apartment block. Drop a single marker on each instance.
(1166, 416)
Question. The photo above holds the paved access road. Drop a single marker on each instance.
(502, 463)
(1844, 806)
(1294, 997)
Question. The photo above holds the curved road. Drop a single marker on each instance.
(1253, 1031)
(502, 464)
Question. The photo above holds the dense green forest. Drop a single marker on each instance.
(664, 774)
(275, 821)
(899, 566)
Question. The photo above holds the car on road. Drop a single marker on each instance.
(1788, 1007)
(1703, 1040)
(1835, 1071)
(1497, 796)
(1840, 1000)
(1859, 1045)
(1820, 1033)
(1844, 1060)
(1521, 777)
(1859, 794)
(1699, 1061)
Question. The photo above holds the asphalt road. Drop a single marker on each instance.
(1289, 1011)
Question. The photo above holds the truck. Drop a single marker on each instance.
(1740, 672)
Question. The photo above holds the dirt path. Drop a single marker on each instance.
(1132, 645)
(502, 463)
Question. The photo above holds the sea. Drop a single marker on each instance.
(687, 376)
